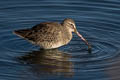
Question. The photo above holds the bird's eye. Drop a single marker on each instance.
(72, 26)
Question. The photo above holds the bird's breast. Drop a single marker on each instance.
(67, 36)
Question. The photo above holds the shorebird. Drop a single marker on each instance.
(50, 35)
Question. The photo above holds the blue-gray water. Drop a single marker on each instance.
(97, 20)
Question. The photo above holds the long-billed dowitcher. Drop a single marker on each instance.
(49, 35)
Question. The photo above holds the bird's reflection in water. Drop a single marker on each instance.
(49, 62)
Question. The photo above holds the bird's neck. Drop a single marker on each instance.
(67, 34)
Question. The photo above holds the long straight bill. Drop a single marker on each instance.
(89, 46)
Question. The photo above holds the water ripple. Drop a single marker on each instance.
(98, 21)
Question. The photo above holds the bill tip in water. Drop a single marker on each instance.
(89, 49)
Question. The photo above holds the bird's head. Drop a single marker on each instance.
(70, 24)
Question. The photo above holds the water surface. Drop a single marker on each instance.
(97, 20)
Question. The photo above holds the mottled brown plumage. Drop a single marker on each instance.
(50, 35)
